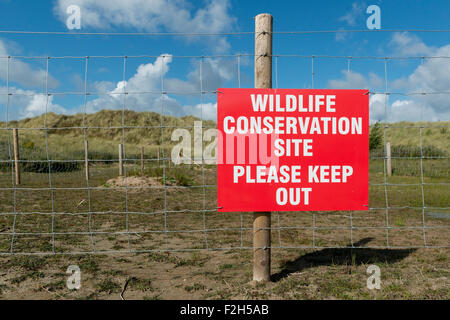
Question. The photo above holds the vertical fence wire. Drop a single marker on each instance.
(385, 124)
(202, 157)
(85, 139)
(278, 213)
(241, 216)
(161, 116)
(8, 100)
(351, 212)
(313, 214)
(421, 188)
(123, 150)
(421, 171)
(47, 95)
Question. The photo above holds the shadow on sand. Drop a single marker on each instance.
(343, 256)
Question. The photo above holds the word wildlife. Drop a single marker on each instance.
(292, 124)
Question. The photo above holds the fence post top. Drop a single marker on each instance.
(263, 15)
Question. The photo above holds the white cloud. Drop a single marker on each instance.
(415, 108)
(405, 44)
(205, 111)
(23, 73)
(214, 73)
(377, 110)
(38, 105)
(351, 18)
(340, 36)
(356, 13)
(380, 109)
(352, 80)
(147, 82)
(355, 80)
(213, 16)
(150, 15)
(27, 104)
(102, 86)
(375, 81)
(431, 77)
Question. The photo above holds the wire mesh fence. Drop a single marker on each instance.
(109, 182)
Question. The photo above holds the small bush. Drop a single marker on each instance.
(42, 166)
(183, 180)
(35, 160)
(108, 286)
(408, 151)
(375, 136)
(28, 145)
(415, 152)
(178, 176)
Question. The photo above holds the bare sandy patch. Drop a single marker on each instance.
(135, 183)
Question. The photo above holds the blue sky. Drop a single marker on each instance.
(182, 74)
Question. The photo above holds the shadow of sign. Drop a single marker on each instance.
(342, 256)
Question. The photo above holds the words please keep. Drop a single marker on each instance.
(291, 174)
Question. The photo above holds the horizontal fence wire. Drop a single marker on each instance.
(126, 202)
(215, 34)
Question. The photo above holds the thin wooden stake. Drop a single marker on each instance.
(388, 160)
(142, 161)
(16, 155)
(169, 157)
(159, 164)
(263, 79)
(120, 160)
(86, 159)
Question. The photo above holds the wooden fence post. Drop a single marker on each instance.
(263, 79)
(388, 160)
(86, 159)
(16, 155)
(159, 163)
(169, 157)
(120, 160)
(142, 161)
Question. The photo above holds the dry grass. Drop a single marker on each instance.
(433, 134)
(298, 274)
(224, 273)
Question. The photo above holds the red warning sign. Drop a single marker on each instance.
(292, 150)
